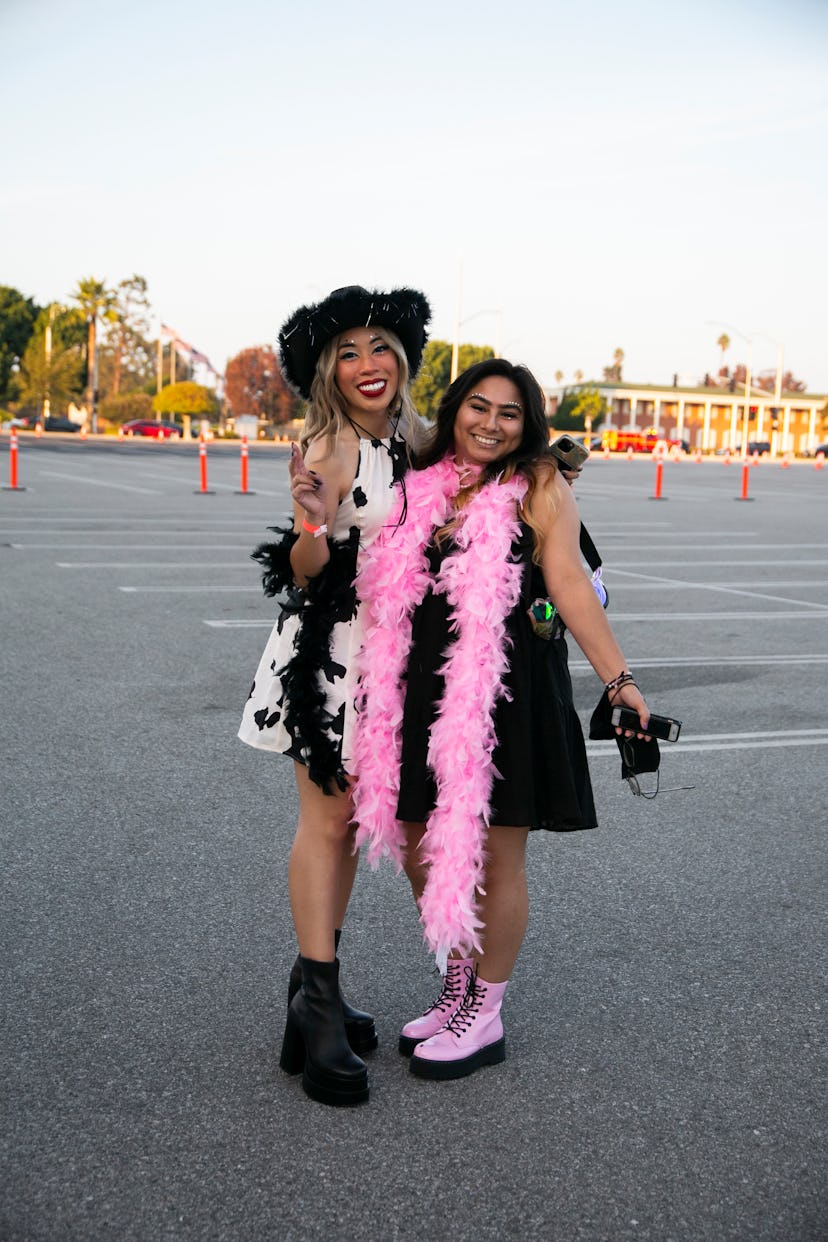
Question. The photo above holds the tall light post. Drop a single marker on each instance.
(746, 419)
(47, 397)
(777, 387)
(455, 349)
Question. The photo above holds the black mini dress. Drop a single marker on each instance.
(540, 759)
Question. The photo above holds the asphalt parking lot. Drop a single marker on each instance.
(665, 1070)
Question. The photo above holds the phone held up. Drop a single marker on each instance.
(663, 727)
(570, 454)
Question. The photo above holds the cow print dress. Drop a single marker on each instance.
(302, 700)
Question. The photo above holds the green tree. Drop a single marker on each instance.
(434, 375)
(96, 302)
(613, 374)
(578, 409)
(51, 369)
(122, 407)
(186, 398)
(126, 357)
(18, 315)
(724, 345)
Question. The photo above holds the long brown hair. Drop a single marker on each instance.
(530, 458)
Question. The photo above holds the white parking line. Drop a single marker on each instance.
(707, 661)
(766, 615)
(176, 590)
(691, 586)
(791, 562)
(79, 478)
(731, 741)
(152, 564)
(752, 547)
(132, 547)
(241, 625)
(725, 590)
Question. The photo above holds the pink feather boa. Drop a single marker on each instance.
(482, 585)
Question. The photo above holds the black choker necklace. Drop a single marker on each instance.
(394, 447)
(375, 440)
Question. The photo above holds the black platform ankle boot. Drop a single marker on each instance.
(315, 1040)
(359, 1026)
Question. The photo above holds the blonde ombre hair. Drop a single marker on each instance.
(326, 414)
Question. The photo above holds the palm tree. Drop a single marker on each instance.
(579, 375)
(617, 359)
(558, 377)
(724, 345)
(95, 300)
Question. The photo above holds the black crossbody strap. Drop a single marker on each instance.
(589, 550)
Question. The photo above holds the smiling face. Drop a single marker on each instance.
(489, 422)
(367, 372)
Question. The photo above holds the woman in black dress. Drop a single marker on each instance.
(467, 737)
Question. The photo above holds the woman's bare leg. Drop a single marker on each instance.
(322, 866)
(505, 907)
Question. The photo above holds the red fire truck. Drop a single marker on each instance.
(638, 441)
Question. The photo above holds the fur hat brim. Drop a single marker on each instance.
(305, 334)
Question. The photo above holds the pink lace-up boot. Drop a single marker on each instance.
(458, 973)
(472, 1037)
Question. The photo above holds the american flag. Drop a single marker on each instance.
(197, 358)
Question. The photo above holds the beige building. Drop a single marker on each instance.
(711, 418)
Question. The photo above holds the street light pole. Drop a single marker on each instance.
(746, 419)
(455, 349)
(47, 398)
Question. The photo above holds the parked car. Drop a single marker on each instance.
(61, 424)
(22, 422)
(149, 427)
(815, 452)
(757, 447)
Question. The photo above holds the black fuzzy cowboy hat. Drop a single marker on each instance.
(305, 334)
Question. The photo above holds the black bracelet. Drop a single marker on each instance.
(622, 679)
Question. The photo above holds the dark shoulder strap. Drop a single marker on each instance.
(589, 550)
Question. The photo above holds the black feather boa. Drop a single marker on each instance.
(328, 598)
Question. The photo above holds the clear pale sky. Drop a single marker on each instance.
(608, 175)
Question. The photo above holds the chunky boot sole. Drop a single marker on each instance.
(492, 1054)
(408, 1043)
(362, 1036)
(327, 1090)
(322, 1087)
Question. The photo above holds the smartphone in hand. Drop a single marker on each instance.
(663, 727)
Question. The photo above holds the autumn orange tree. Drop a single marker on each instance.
(253, 384)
